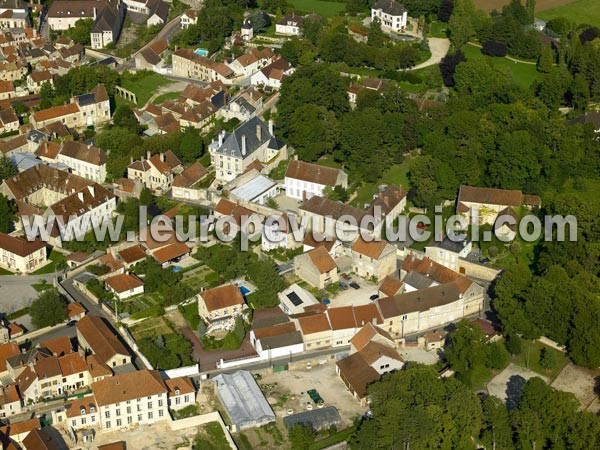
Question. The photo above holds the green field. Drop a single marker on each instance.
(143, 84)
(166, 96)
(580, 11)
(323, 8)
(522, 74)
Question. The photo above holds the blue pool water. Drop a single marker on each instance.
(244, 290)
(201, 52)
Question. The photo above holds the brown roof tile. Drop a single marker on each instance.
(322, 259)
(128, 386)
(314, 323)
(100, 338)
(473, 194)
(181, 384)
(313, 173)
(222, 297)
(132, 254)
(58, 346)
(19, 246)
(123, 282)
(342, 318)
(170, 252)
(372, 249)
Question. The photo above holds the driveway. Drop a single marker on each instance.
(508, 384)
(439, 48)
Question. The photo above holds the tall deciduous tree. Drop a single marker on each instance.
(48, 309)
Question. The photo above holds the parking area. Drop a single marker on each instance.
(581, 382)
(288, 391)
(508, 384)
(353, 296)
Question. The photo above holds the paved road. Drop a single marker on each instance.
(439, 48)
(92, 307)
(166, 33)
(25, 279)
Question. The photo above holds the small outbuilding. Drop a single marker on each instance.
(317, 419)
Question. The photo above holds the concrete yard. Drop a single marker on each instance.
(355, 297)
(581, 382)
(288, 391)
(508, 384)
(419, 355)
(15, 296)
(156, 437)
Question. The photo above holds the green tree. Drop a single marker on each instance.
(547, 359)
(462, 23)
(7, 168)
(80, 33)
(301, 437)
(376, 36)
(124, 117)
(7, 214)
(467, 352)
(497, 356)
(546, 60)
(48, 309)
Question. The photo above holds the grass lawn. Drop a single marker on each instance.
(41, 286)
(333, 439)
(323, 8)
(586, 189)
(5, 272)
(438, 30)
(211, 436)
(57, 258)
(166, 96)
(533, 349)
(579, 11)
(150, 328)
(143, 84)
(397, 175)
(522, 74)
(184, 413)
(190, 313)
(328, 161)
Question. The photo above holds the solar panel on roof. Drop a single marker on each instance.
(296, 301)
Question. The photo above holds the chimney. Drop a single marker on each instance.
(243, 145)
(162, 157)
(131, 160)
(148, 154)
(271, 127)
(220, 138)
(258, 132)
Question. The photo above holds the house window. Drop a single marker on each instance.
(107, 414)
(118, 422)
(108, 424)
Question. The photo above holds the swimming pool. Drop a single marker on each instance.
(244, 290)
(201, 52)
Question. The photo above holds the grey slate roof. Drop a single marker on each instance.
(390, 7)
(232, 143)
(86, 99)
(452, 245)
(417, 280)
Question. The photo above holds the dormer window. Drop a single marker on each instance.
(82, 410)
(177, 391)
(92, 409)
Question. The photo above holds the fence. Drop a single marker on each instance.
(182, 372)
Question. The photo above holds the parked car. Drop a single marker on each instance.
(72, 323)
(354, 285)
(374, 297)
